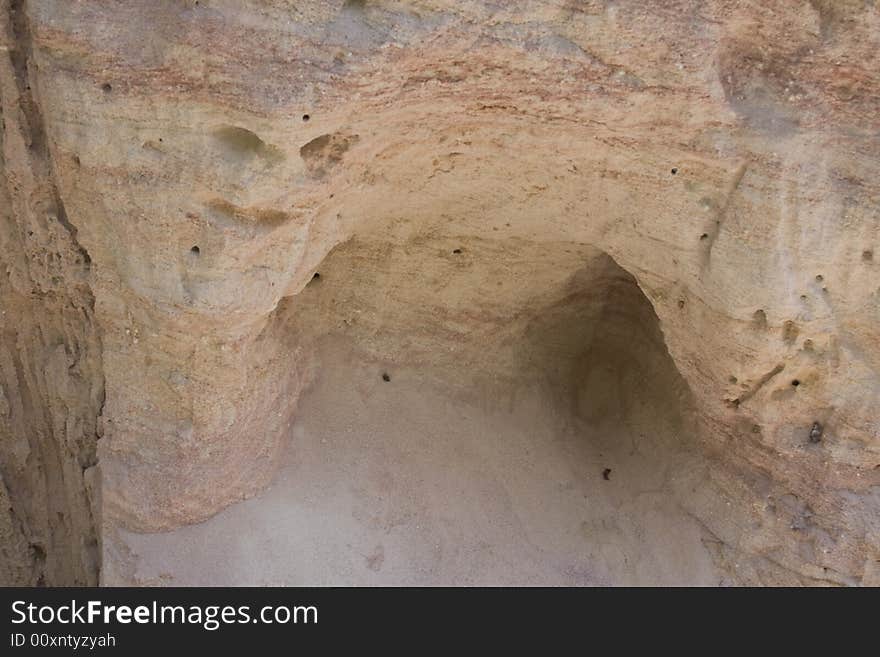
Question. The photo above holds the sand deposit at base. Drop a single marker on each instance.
(398, 483)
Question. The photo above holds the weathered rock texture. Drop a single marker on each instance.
(51, 380)
(177, 171)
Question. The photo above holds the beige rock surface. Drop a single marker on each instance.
(51, 379)
(616, 175)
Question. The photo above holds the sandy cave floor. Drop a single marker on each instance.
(400, 483)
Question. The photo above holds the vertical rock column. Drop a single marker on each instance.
(51, 383)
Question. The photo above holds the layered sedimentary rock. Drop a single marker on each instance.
(51, 380)
(190, 165)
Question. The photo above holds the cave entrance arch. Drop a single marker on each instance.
(483, 411)
(495, 411)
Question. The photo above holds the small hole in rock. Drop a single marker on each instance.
(606, 474)
(38, 552)
(456, 251)
(306, 117)
(867, 255)
(704, 236)
(316, 277)
(195, 250)
(674, 171)
(795, 383)
(107, 87)
(820, 278)
(385, 376)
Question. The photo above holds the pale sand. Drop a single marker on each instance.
(402, 483)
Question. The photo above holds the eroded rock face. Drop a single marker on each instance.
(51, 380)
(208, 156)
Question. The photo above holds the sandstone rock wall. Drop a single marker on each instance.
(207, 156)
(51, 378)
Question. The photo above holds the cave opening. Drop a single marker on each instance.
(483, 412)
